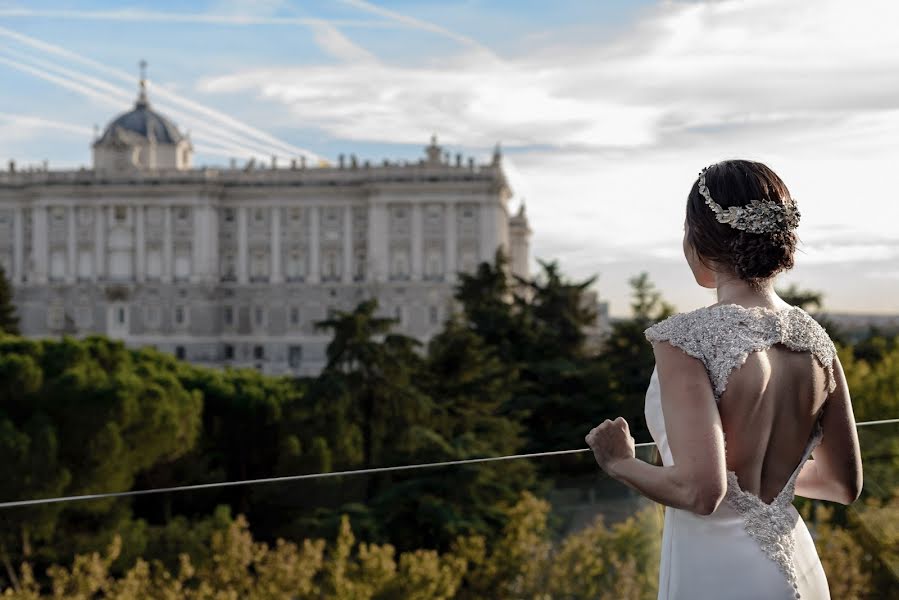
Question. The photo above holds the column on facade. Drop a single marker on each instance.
(450, 241)
(168, 253)
(314, 245)
(490, 235)
(140, 261)
(200, 245)
(277, 276)
(212, 244)
(39, 240)
(18, 250)
(377, 241)
(243, 248)
(417, 244)
(71, 246)
(99, 242)
(348, 243)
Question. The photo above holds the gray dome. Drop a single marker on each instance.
(142, 122)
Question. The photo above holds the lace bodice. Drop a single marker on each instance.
(723, 336)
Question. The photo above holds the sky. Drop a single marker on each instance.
(605, 110)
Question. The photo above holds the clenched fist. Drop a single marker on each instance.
(611, 442)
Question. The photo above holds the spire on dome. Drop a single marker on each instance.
(433, 151)
(497, 155)
(142, 101)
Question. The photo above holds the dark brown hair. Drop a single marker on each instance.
(753, 257)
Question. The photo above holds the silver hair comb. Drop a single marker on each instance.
(757, 216)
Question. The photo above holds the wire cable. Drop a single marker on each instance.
(221, 484)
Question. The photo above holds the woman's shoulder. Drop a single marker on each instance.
(690, 323)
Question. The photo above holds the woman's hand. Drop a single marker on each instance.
(611, 442)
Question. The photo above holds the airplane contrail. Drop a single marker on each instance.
(144, 16)
(274, 143)
(221, 137)
(418, 24)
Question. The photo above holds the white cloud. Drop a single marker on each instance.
(606, 138)
(687, 72)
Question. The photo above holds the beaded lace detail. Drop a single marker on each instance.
(771, 525)
(722, 337)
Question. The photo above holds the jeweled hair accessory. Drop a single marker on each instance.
(758, 216)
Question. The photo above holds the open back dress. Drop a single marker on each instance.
(748, 548)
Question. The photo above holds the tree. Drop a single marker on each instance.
(378, 374)
(628, 356)
(805, 299)
(9, 322)
(558, 306)
(80, 417)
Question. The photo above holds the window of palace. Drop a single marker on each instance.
(57, 265)
(182, 263)
(181, 315)
(294, 356)
(154, 263)
(434, 264)
(228, 268)
(399, 265)
(259, 265)
(295, 266)
(117, 319)
(85, 264)
(331, 266)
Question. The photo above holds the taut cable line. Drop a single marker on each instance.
(221, 484)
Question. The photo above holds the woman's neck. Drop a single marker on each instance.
(733, 290)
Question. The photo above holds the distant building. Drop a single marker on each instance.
(233, 266)
(857, 326)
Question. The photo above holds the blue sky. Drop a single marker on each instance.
(606, 110)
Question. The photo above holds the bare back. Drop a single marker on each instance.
(771, 373)
(768, 412)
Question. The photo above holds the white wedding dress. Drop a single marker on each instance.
(746, 549)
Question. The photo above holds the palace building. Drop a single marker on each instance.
(233, 266)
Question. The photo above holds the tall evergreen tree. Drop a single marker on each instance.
(628, 356)
(9, 322)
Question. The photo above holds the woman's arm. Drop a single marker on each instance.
(697, 481)
(835, 473)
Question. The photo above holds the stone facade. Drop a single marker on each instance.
(233, 266)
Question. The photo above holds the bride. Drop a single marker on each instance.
(757, 373)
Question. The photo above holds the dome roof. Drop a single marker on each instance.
(143, 123)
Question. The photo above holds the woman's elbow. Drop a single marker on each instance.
(706, 498)
(851, 490)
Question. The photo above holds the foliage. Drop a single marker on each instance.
(596, 562)
(804, 299)
(509, 372)
(629, 358)
(9, 322)
(77, 418)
